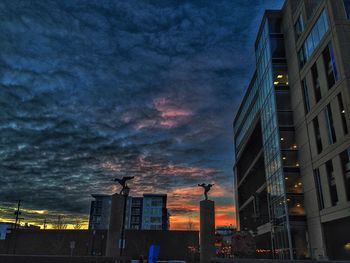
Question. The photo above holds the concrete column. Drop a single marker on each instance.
(207, 231)
(115, 226)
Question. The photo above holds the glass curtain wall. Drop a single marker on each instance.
(269, 45)
(284, 185)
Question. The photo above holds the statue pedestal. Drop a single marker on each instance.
(115, 226)
(207, 231)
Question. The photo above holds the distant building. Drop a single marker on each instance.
(100, 211)
(143, 213)
(7, 227)
(155, 213)
(136, 213)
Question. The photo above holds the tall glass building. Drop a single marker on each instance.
(279, 143)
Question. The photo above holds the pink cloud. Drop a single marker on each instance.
(146, 123)
(170, 114)
(168, 109)
(112, 166)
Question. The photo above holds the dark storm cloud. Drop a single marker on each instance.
(94, 89)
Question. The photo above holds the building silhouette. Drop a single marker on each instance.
(291, 133)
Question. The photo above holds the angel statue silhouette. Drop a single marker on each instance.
(123, 182)
(206, 188)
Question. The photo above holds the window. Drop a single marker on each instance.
(330, 125)
(280, 76)
(314, 38)
(135, 211)
(316, 83)
(345, 160)
(136, 202)
(317, 135)
(275, 25)
(156, 220)
(157, 202)
(135, 219)
(305, 96)
(155, 227)
(330, 66)
(299, 26)
(331, 182)
(96, 219)
(302, 58)
(296, 205)
(342, 113)
(347, 8)
(277, 47)
(292, 182)
(319, 191)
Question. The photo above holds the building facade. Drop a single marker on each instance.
(136, 213)
(100, 211)
(142, 213)
(291, 134)
(154, 213)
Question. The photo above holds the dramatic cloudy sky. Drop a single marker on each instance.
(94, 89)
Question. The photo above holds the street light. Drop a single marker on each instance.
(125, 192)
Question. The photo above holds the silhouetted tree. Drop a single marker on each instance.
(77, 225)
(59, 224)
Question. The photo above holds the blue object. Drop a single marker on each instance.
(153, 253)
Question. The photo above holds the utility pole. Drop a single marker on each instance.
(45, 224)
(125, 193)
(17, 213)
